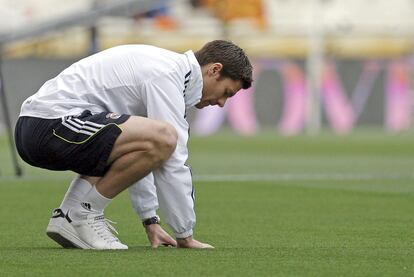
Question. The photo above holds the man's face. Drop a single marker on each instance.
(216, 89)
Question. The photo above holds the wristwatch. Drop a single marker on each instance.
(151, 220)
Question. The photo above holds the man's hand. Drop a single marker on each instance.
(189, 242)
(157, 236)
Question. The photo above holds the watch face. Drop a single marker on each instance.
(151, 220)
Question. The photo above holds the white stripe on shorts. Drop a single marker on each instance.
(76, 130)
(80, 126)
(93, 124)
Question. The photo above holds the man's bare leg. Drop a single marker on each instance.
(143, 145)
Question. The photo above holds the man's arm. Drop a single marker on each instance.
(144, 200)
(143, 197)
(173, 180)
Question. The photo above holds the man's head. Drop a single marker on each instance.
(225, 68)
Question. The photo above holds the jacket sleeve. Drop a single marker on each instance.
(143, 197)
(165, 102)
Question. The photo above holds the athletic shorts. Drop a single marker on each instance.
(79, 143)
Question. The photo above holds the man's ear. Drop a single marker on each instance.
(215, 69)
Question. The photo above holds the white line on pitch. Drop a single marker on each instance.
(299, 177)
(247, 177)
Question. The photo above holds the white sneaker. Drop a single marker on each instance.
(56, 231)
(92, 231)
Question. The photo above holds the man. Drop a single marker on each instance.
(117, 118)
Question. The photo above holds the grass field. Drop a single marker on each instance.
(301, 206)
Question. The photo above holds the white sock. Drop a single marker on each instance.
(97, 201)
(77, 190)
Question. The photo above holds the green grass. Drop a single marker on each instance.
(301, 206)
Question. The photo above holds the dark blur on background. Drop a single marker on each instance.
(318, 64)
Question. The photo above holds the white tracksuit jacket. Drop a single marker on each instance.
(138, 80)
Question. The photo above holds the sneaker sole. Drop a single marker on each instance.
(61, 240)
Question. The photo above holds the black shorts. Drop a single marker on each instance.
(79, 143)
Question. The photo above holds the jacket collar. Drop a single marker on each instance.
(194, 81)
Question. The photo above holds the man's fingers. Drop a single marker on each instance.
(206, 245)
(169, 241)
(155, 244)
(172, 242)
(192, 243)
(166, 244)
(157, 236)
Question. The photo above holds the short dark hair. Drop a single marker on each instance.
(236, 64)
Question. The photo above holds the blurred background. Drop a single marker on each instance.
(318, 64)
(321, 147)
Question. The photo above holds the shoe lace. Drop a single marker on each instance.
(103, 227)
